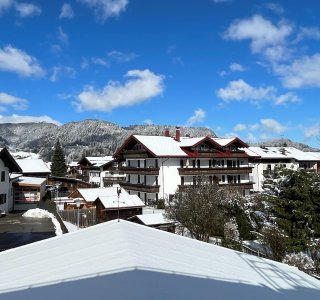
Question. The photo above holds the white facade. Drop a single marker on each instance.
(156, 166)
(268, 158)
(5, 189)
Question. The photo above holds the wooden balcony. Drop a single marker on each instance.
(113, 179)
(214, 171)
(134, 154)
(230, 186)
(140, 171)
(138, 187)
(238, 186)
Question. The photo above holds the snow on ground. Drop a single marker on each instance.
(151, 210)
(71, 227)
(41, 213)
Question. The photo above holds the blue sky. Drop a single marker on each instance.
(240, 67)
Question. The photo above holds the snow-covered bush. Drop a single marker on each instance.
(300, 260)
(230, 230)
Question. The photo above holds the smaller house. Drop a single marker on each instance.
(8, 165)
(157, 220)
(34, 168)
(106, 200)
(28, 191)
(89, 168)
(111, 207)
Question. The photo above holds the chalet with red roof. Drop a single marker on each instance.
(156, 166)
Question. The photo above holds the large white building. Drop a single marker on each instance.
(265, 159)
(156, 166)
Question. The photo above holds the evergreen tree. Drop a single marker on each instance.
(58, 166)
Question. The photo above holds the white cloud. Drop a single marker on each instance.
(275, 7)
(239, 90)
(27, 9)
(197, 117)
(27, 119)
(64, 71)
(84, 63)
(235, 67)
(240, 127)
(254, 127)
(121, 56)
(62, 36)
(148, 122)
(272, 126)
(251, 137)
(286, 98)
(66, 11)
(312, 132)
(12, 101)
(141, 86)
(265, 37)
(18, 61)
(100, 61)
(301, 72)
(308, 32)
(5, 4)
(105, 9)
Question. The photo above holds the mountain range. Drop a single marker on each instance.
(79, 139)
(94, 137)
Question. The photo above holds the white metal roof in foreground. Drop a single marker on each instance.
(123, 260)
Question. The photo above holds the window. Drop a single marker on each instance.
(3, 198)
(3, 176)
(223, 178)
(181, 163)
(182, 180)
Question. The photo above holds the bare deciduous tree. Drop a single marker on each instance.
(202, 209)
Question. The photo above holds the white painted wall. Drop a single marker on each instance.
(5, 188)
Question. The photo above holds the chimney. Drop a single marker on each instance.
(167, 132)
(177, 138)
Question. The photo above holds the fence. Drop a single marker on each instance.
(87, 217)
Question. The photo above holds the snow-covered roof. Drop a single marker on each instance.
(23, 155)
(161, 145)
(315, 154)
(31, 180)
(282, 152)
(98, 161)
(189, 141)
(131, 261)
(223, 141)
(91, 194)
(33, 166)
(153, 219)
(74, 164)
(125, 199)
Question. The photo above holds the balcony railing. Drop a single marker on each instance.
(232, 186)
(113, 179)
(140, 187)
(214, 171)
(141, 171)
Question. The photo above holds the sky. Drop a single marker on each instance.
(246, 68)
